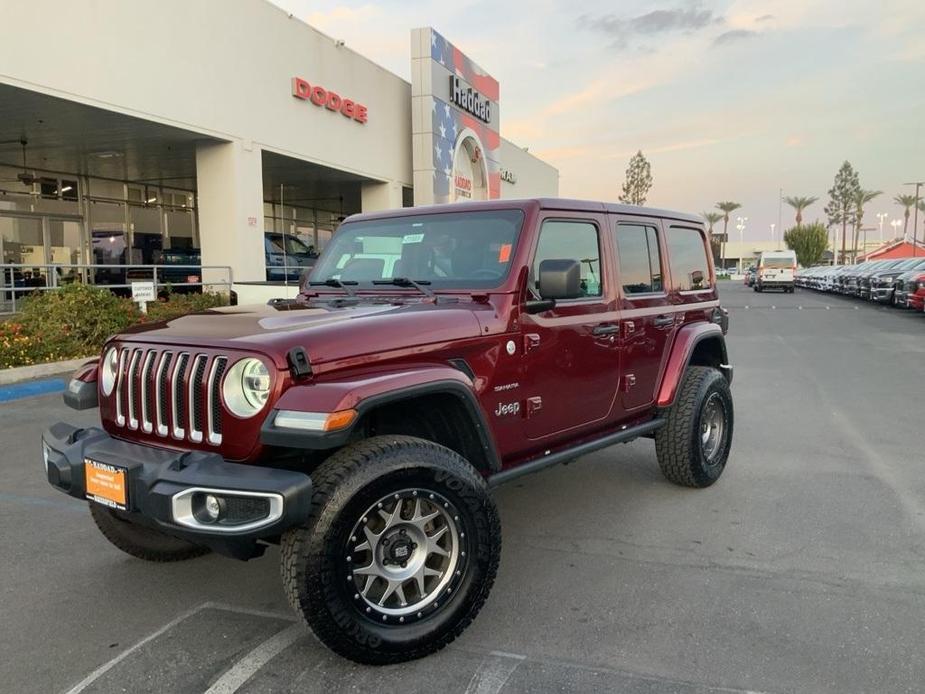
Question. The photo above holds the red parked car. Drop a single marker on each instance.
(432, 354)
(915, 292)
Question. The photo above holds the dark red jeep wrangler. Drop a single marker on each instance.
(431, 354)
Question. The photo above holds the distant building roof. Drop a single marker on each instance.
(897, 248)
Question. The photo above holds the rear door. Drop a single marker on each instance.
(647, 324)
(572, 351)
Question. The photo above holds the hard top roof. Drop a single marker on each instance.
(564, 204)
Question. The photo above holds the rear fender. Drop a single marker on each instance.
(683, 349)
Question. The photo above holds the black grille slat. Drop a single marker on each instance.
(161, 393)
(196, 388)
(178, 393)
(221, 364)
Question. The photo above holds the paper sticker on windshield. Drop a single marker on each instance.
(412, 238)
(504, 253)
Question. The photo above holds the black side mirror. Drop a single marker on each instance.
(558, 279)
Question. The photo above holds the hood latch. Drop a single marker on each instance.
(299, 366)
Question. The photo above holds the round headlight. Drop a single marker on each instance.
(109, 369)
(246, 387)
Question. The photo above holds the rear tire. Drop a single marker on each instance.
(693, 445)
(142, 542)
(345, 571)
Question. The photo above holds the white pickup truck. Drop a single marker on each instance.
(775, 271)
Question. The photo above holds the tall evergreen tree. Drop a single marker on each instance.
(842, 207)
(638, 180)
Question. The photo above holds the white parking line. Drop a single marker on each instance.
(106, 667)
(493, 672)
(234, 677)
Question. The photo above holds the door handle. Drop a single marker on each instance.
(605, 329)
(663, 321)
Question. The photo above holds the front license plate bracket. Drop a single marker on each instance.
(106, 484)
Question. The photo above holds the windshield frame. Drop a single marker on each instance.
(518, 217)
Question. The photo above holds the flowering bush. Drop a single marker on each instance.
(76, 320)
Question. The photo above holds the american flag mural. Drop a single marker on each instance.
(448, 122)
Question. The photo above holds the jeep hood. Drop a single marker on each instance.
(326, 332)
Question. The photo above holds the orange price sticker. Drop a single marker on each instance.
(504, 253)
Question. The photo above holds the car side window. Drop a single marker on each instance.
(640, 259)
(687, 255)
(570, 240)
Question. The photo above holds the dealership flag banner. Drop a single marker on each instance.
(455, 123)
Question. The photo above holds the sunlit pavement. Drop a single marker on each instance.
(801, 570)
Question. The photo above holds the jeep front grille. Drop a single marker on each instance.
(170, 394)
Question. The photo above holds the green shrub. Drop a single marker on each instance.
(76, 320)
(178, 305)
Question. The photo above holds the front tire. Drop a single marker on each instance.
(693, 446)
(139, 541)
(399, 553)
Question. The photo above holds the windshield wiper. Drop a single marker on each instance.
(407, 282)
(334, 282)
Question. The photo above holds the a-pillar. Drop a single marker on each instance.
(229, 180)
(380, 196)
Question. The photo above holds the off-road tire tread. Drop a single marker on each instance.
(141, 542)
(673, 441)
(302, 548)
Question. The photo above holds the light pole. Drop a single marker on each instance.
(881, 216)
(915, 212)
(772, 233)
(896, 223)
(740, 225)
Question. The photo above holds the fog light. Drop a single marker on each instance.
(208, 509)
(212, 508)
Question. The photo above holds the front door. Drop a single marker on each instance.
(648, 325)
(572, 352)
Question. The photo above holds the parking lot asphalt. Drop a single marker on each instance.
(801, 570)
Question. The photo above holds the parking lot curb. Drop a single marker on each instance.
(29, 373)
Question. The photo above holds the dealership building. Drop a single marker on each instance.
(131, 130)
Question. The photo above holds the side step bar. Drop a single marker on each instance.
(551, 459)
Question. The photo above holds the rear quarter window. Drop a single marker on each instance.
(687, 258)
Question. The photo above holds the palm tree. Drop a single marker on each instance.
(800, 203)
(907, 201)
(726, 206)
(711, 219)
(862, 198)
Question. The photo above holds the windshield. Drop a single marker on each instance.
(778, 262)
(450, 251)
(293, 245)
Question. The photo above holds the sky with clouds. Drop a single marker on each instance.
(729, 100)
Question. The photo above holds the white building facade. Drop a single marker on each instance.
(201, 127)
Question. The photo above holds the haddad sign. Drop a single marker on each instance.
(469, 100)
(332, 101)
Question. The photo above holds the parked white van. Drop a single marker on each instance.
(775, 271)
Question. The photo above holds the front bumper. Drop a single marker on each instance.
(159, 484)
(881, 294)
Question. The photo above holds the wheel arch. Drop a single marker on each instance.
(443, 409)
(695, 345)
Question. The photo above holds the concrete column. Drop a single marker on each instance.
(230, 196)
(380, 196)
